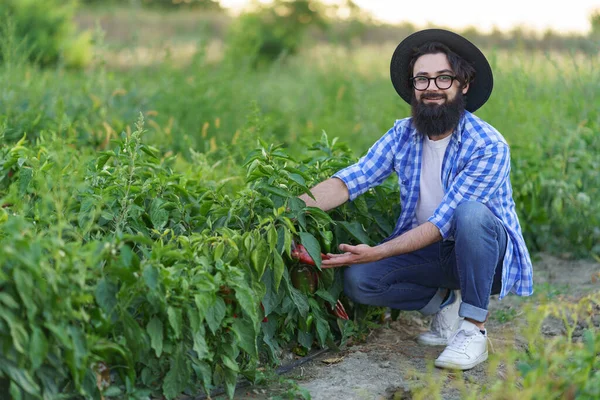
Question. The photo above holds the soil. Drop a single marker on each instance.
(390, 361)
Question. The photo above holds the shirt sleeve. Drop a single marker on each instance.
(479, 180)
(372, 169)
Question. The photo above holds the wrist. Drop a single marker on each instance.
(383, 251)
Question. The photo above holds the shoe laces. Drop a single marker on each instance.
(440, 323)
(460, 339)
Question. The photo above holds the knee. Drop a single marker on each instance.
(472, 216)
(356, 284)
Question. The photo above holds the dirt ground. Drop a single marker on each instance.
(390, 361)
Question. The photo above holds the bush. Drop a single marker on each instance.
(199, 4)
(45, 29)
(272, 31)
(130, 273)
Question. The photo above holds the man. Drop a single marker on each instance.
(458, 238)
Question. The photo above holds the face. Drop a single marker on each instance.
(436, 112)
(430, 66)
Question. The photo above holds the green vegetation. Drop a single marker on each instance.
(559, 367)
(44, 31)
(147, 214)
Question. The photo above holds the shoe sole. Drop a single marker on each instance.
(463, 367)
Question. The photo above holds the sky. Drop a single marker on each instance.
(571, 16)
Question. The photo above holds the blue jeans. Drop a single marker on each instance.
(419, 280)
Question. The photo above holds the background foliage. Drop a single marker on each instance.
(149, 255)
(45, 32)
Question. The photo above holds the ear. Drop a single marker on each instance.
(465, 88)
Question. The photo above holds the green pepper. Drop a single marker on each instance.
(326, 240)
(309, 321)
(305, 323)
(304, 278)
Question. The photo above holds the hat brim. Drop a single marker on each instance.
(480, 88)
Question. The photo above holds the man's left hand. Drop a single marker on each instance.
(360, 254)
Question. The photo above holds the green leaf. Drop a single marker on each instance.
(230, 382)
(151, 276)
(215, 314)
(272, 238)
(244, 331)
(18, 333)
(19, 376)
(85, 212)
(246, 300)
(112, 391)
(219, 250)
(322, 330)
(274, 190)
(149, 151)
(200, 346)
(312, 246)
(325, 295)
(278, 268)
(177, 378)
(259, 257)
(175, 320)
(79, 346)
(158, 215)
(272, 298)
(25, 288)
(204, 373)
(300, 300)
(288, 243)
(15, 391)
(155, 330)
(356, 230)
(299, 179)
(38, 348)
(25, 175)
(305, 339)
(229, 363)
(8, 301)
(106, 295)
(203, 303)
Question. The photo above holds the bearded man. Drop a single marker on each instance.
(458, 239)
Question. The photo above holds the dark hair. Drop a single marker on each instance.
(465, 72)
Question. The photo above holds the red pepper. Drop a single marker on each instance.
(265, 319)
(339, 311)
(300, 253)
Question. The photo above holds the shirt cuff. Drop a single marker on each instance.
(443, 224)
(354, 180)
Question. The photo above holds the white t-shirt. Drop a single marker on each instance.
(431, 193)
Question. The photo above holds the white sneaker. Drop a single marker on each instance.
(466, 349)
(443, 324)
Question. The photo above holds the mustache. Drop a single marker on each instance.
(431, 96)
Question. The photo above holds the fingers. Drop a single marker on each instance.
(347, 248)
(332, 255)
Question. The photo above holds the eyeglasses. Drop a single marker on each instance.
(443, 82)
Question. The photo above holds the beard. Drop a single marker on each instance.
(435, 120)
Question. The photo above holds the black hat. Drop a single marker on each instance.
(479, 89)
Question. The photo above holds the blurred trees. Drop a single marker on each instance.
(274, 30)
(199, 4)
(44, 32)
(595, 22)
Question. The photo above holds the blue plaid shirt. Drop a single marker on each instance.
(476, 167)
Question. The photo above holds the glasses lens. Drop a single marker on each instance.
(444, 81)
(420, 82)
